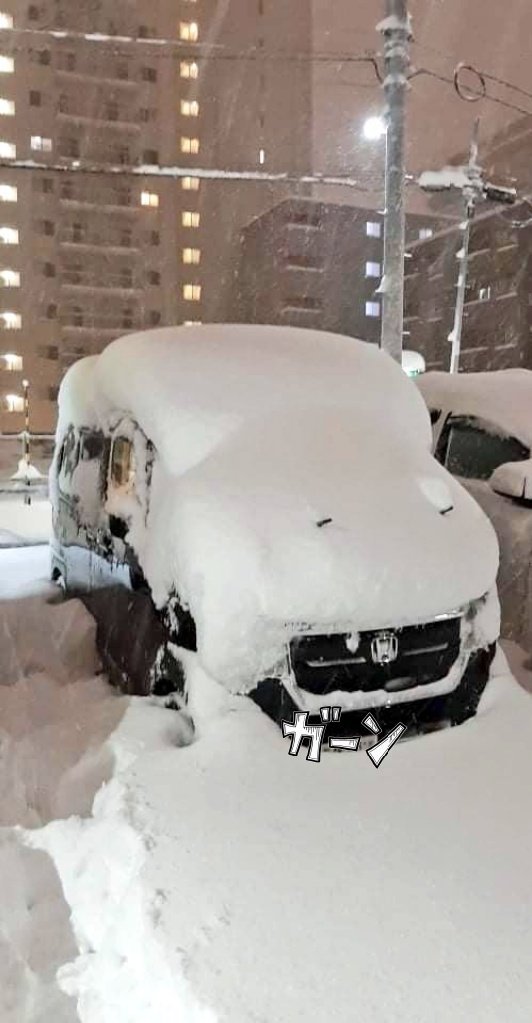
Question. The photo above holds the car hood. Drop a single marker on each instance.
(316, 518)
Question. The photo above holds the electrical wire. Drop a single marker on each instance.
(483, 93)
(204, 173)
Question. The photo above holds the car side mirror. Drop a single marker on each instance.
(513, 479)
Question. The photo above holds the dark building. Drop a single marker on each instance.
(496, 323)
(313, 264)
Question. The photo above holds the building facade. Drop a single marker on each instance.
(496, 327)
(97, 241)
(313, 264)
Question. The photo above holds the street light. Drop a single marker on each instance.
(374, 128)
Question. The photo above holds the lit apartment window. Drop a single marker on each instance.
(189, 31)
(13, 363)
(192, 292)
(191, 256)
(189, 108)
(41, 144)
(8, 150)
(7, 65)
(14, 403)
(8, 236)
(149, 199)
(425, 232)
(373, 309)
(190, 184)
(7, 108)
(11, 321)
(189, 69)
(373, 269)
(190, 218)
(8, 193)
(6, 20)
(189, 145)
(373, 229)
(9, 279)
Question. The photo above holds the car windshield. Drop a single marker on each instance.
(475, 452)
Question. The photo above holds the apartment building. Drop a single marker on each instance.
(313, 264)
(102, 95)
(497, 321)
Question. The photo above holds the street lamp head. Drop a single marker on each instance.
(374, 128)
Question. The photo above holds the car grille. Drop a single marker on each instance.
(424, 653)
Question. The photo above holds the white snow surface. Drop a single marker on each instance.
(502, 397)
(263, 434)
(189, 388)
(22, 523)
(447, 177)
(146, 877)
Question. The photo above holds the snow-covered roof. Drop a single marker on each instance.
(189, 388)
(503, 398)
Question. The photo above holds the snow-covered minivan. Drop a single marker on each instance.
(267, 497)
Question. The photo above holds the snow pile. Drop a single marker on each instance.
(513, 524)
(22, 523)
(25, 572)
(225, 882)
(56, 752)
(27, 471)
(502, 397)
(447, 177)
(280, 455)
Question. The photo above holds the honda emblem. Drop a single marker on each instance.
(384, 648)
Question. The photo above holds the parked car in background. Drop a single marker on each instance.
(267, 497)
(482, 432)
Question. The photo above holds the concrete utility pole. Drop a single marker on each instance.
(471, 191)
(470, 181)
(26, 437)
(396, 32)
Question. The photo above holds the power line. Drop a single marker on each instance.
(205, 173)
(197, 50)
(452, 59)
(482, 91)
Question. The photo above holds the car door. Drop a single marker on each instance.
(473, 448)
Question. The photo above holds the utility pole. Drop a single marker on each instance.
(470, 191)
(26, 438)
(396, 33)
(470, 180)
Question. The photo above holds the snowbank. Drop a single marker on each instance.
(225, 882)
(24, 523)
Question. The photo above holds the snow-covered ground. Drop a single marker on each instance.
(24, 523)
(147, 877)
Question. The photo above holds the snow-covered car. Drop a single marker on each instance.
(482, 433)
(267, 497)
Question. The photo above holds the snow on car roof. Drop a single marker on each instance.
(502, 397)
(190, 387)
